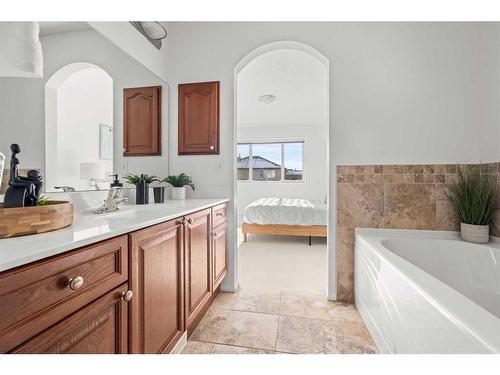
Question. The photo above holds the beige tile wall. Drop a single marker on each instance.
(397, 197)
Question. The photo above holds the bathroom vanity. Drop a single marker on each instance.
(133, 281)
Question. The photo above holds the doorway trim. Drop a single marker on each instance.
(331, 287)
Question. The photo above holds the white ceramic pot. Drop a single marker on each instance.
(179, 193)
(475, 233)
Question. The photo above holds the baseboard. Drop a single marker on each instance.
(229, 288)
(179, 347)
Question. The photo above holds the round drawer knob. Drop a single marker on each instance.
(190, 220)
(127, 296)
(212, 148)
(75, 283)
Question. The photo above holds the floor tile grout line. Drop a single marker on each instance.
(278, 325)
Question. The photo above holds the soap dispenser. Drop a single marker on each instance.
(116, 182)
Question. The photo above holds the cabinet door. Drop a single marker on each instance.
(197, 266)
(142, 121)
(98, 328)
(199, 118)
(219, 254)
(156, 278)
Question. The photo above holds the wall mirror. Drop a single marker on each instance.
(69, 123)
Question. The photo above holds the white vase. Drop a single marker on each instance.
(475, 233)
(179, 193)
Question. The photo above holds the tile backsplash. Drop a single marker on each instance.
(396, 197)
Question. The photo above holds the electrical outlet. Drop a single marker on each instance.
(124, 167)
(219, 167)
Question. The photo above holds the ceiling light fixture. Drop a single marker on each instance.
(267, 98)
(152, 30)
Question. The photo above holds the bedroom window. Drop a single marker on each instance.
(270, 162)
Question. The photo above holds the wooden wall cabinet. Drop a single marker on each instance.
(142, 121)
(156, 278)
(198, 118)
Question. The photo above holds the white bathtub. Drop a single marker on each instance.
(428, 291)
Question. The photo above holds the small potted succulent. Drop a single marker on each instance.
(472, 197)
(141, 183)
(179, 183)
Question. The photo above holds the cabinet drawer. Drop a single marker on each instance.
(35, 296)
(98, 328)
(219, 215)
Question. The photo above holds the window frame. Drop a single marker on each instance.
(282, 142)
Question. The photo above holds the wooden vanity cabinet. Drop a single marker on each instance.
(219, 254)
(198, 266)
(136, 293)
(157, 281)
(219, 244)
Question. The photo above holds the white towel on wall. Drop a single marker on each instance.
(20, 50)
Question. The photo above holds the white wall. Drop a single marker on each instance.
(399, 92)
(78, 127)
(299, 112)
(22, 118)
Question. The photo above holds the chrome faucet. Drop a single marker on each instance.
(114, 198)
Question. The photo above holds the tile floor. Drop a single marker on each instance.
(259, 320)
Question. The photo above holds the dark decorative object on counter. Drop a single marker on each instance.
(22, 191)
(159, 194)
(142, 193)
(141, 186)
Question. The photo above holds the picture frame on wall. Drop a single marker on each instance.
(105, 142)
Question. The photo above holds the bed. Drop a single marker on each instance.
(286, 217)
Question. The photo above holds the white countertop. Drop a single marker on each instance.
(89, 228)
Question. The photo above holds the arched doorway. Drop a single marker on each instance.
(292, 48)
(78, 125)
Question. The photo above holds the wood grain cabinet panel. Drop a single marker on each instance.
(99, 328)
(142, 121)
(198, 268)
(199, 118)
(38, 295)
(219, 254)
(156, 278)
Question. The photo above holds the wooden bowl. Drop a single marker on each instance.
(23, 221)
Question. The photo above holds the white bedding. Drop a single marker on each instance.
(286, 211)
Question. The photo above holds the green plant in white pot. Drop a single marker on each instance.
(179, 183)
(472, 197)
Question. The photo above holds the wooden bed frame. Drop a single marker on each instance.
(285, 230)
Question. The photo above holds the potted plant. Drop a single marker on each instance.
(179, 183)
(472, 198)
(159, 191)
(141, 183)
